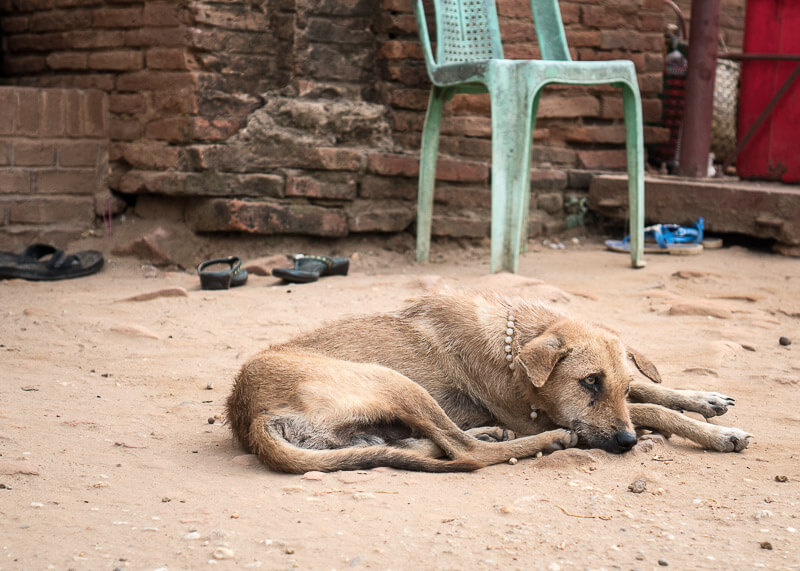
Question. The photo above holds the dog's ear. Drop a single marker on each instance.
(647, 368)
(539, 357)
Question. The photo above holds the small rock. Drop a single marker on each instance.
(512, 461)
(507, 509)
(192, 535)
(748, 347)
(638, 486)
(211, 420)
(289, 551)
(785, 341)
(663, 562)
(221, 553)
(759, 515)
(363, 496)
(781, 478)
(766, 545)
(313, 476)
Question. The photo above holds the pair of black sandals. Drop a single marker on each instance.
(306, 269)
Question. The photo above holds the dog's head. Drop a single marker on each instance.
(580, 377)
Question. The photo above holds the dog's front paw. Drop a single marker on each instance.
(730, 440)
(562, 439)
(707, 404)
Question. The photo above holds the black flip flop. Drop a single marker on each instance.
(233, 276)
(311, 268)
(42, 262)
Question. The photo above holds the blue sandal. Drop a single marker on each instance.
(666, 239)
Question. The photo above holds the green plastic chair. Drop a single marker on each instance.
(469, 59)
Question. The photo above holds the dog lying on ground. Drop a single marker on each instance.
(457, 382)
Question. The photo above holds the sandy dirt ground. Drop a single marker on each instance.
(114, 454)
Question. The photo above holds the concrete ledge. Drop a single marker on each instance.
(759, 209)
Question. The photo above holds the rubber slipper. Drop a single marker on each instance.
(311, 268)
(232, 276)
(666, 239)
(42, 262)
(649, 248)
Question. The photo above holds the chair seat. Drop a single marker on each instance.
(583, 72)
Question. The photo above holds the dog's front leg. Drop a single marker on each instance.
(706, 403)
(707, 435)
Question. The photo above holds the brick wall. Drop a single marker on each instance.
(53, 161)
(304, 116)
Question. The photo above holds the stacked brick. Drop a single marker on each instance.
(52, 163)
(304, 116)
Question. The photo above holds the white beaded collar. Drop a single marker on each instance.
(509, 339)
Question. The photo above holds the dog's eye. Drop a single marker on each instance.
(592, 382)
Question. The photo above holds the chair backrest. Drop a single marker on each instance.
(468, 30)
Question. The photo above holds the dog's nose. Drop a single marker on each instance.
(625, 439)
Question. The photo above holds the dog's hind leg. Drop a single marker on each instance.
(707, 435)
(708, 404)
(418, 410)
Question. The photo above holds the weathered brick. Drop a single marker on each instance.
(336, 186)
(95, 113)
(29, 108)
(15, 182)
(24, 65)
(380, 215)
(67, 60)
(149, 155)
(73, 181)
(225, 184)
(127, 103)
(568, 106)
(174, 129)
(116, 60)
(134, 181)
(169, 59)
(159, 14)
(34, 154)
(392, 164)
(124, 129)
(139, 81)
(266, 217)
(463, 196)
(52, 210)
(548, 179)
(128, 17)
(79, 153)
(381, 187)
(60, 20)
(602, 160)
(595, 134)
(461, 222)
(8, 103)
(53, 122)
(5, 153)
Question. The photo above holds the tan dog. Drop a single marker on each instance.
(438, 386)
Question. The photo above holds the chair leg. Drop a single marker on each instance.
(512, 122)
(427, 171)
(634, 145)
(526, 208)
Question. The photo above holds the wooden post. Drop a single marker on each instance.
(699, 101)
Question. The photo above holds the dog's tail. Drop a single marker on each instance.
(283, 456)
